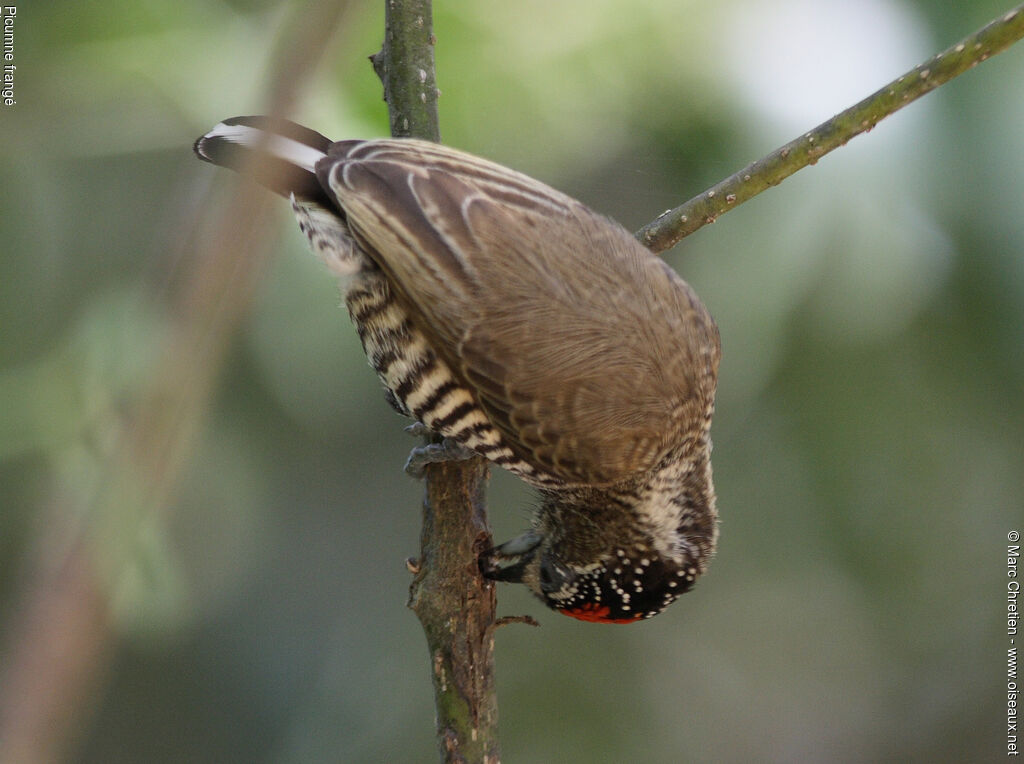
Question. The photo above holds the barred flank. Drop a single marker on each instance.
(579, 357)
(421, 382)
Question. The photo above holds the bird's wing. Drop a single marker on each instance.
(590, 354)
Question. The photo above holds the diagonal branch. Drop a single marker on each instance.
(672, 226)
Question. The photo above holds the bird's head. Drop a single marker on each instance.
(595, 567)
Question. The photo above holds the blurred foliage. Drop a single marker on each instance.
(870, 428)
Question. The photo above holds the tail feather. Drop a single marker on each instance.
(285, 154)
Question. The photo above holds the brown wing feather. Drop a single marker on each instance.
(588, 352)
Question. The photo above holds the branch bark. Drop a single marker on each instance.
(405, 65)
(453, 602)
(672, 226)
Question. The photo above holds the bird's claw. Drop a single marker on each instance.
(416, 429)
(508, 561)
(447, 450)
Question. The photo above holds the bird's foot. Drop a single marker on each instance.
(508, 561)
(447, 450)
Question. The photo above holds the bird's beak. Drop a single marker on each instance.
(507, 562)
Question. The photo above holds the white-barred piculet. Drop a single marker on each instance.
(522, 326)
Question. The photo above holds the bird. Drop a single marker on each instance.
(518, 324)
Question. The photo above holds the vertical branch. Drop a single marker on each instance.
(456, 606)
(405, 65)
(454, 603)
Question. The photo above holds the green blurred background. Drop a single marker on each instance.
(241, 597)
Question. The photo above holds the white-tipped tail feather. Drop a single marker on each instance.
(279, 154)
(282, 156)
(255, 138)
